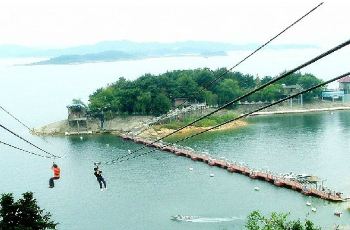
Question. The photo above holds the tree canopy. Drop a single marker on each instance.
(23, 214)
(155, 94)
(277, 221)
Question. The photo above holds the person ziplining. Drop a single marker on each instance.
(56, 175)
(98, 172)
(100, 179)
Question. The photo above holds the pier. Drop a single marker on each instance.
(276, 180)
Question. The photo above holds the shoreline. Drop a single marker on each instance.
(122, 125)
(155, 134)
(301, 111)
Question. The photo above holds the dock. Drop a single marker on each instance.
(77, 133)
(233, 167)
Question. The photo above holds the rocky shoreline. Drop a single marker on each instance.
(120, 124)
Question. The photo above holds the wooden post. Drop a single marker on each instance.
(78, 126)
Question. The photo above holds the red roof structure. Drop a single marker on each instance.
(344, 79)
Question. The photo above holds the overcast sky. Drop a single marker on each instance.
(73, 22)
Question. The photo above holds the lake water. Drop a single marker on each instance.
(144, 193)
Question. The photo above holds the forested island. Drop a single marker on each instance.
(155, 94)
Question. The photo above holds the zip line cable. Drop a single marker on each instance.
(342, 45)
(269, 105)
(54, 156)
(262, 46)
(30, 130)
(247, 114)
(15, 118)
(206, 85)
(36, 154)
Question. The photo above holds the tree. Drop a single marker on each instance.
(265, 80)
(210, 98)
(204, 77)
(272, 92)
(77, 101)
(161, 104)
(245, 81)
(307, 81)
(187, 87)
(141, 95)
(277, 221)
(144, 103)
(100, 98)
(24, 214)
(227, 90)
(291, 79)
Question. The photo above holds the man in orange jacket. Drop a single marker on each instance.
(56, 175)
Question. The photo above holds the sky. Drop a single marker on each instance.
(61, 23)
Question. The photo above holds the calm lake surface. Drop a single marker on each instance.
(145, 192)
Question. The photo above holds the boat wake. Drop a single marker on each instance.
(198, 219)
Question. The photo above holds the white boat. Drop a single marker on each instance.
(183, 218)
(308, 203)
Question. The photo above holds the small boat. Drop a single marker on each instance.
(313, 209)
(308, 203)
(256, 188)
(176, 218)
(211, 175)
(338, 213)
(191, 169)
(183, 218)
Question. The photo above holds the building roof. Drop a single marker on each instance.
(344, 79)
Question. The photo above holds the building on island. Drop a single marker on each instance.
(341, 94)
(333, 95)
(344, 84)
(77, 116)
(180, 102)
(289, 90)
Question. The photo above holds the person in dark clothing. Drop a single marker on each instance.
(100, 179)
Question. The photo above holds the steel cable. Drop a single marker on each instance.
(209, 84)
(338, 47)
(15, 134)
(247, 114)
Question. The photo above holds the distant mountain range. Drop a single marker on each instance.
(127, 50)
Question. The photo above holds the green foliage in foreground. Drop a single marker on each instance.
(207, 122)
(277, 221)
(155, 94)
(24, 214)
